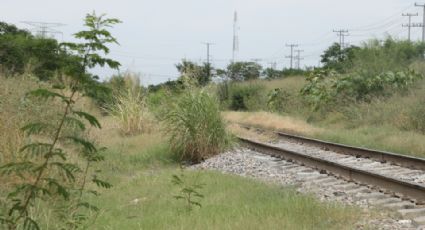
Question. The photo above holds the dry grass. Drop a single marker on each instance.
(382, 137)
(273, 121)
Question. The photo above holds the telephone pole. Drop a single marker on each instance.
(291, 57)
(409, 25)
(299, 58)
(342, 34)
(423, 21)
(208, 44)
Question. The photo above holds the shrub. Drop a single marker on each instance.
(196, 128)
(247, 96)
(324, 88)
(278, 100)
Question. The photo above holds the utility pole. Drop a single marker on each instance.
(44, 28)
(208, 44)
(423, 21)
(409, 25)
(291, 57)
(299, 58)
(342, 34)
(235, 47)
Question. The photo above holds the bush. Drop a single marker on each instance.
(196, 128)
(247, 96)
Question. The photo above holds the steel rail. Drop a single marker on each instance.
(381, 156)
(400, 188)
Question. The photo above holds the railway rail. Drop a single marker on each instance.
(393, 174)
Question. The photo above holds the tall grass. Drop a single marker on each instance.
(130, 109)
(196, 127)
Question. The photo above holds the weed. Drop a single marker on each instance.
(189, 190)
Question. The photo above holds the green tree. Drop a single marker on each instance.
(338, 58)
(194, 73)
(243, 71)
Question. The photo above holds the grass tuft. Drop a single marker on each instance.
(196, 128)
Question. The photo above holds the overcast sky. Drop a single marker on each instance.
(155, 35)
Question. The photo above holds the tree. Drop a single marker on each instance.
(338, 58)
(271, 73)
(243, 71)
(194, 73)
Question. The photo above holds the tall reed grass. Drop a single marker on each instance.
(196, 128)
(130, 109)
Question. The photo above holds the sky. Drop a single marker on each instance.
(155, 35)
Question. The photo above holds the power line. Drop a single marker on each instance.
(299, 58)
(409, 25)
(342, 34)
(44, 28)
(423, 22)
(292, 53)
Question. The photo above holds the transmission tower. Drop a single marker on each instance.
(423, 21)
(291, 57)
(409, 25)
(299, 58)
(43, 29)
(342, 34)
(235, 47)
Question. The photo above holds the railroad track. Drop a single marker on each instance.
(394, 175)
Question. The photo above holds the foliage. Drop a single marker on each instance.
(21, 52)
(196, 128)
(324, 87)
(376, 57)
(271, 73)
(194, 74)
(46, 172)
(338, 58)
(278, 99)
(245, 97)
(189, 191)
(243, 71)
(129, 107)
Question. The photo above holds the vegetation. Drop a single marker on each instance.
(45, 171)
(372, 95)
(196, 128)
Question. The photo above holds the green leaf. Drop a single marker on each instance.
(90, 118)
(46, 94)
(176, 180)
(60, 189)
(36, 148)
(68, 168)
(88, 146)
(101, 183)
(17, 168)
(88, 206)
(35, 128)
(75, 123)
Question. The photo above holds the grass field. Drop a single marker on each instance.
(141, 169)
